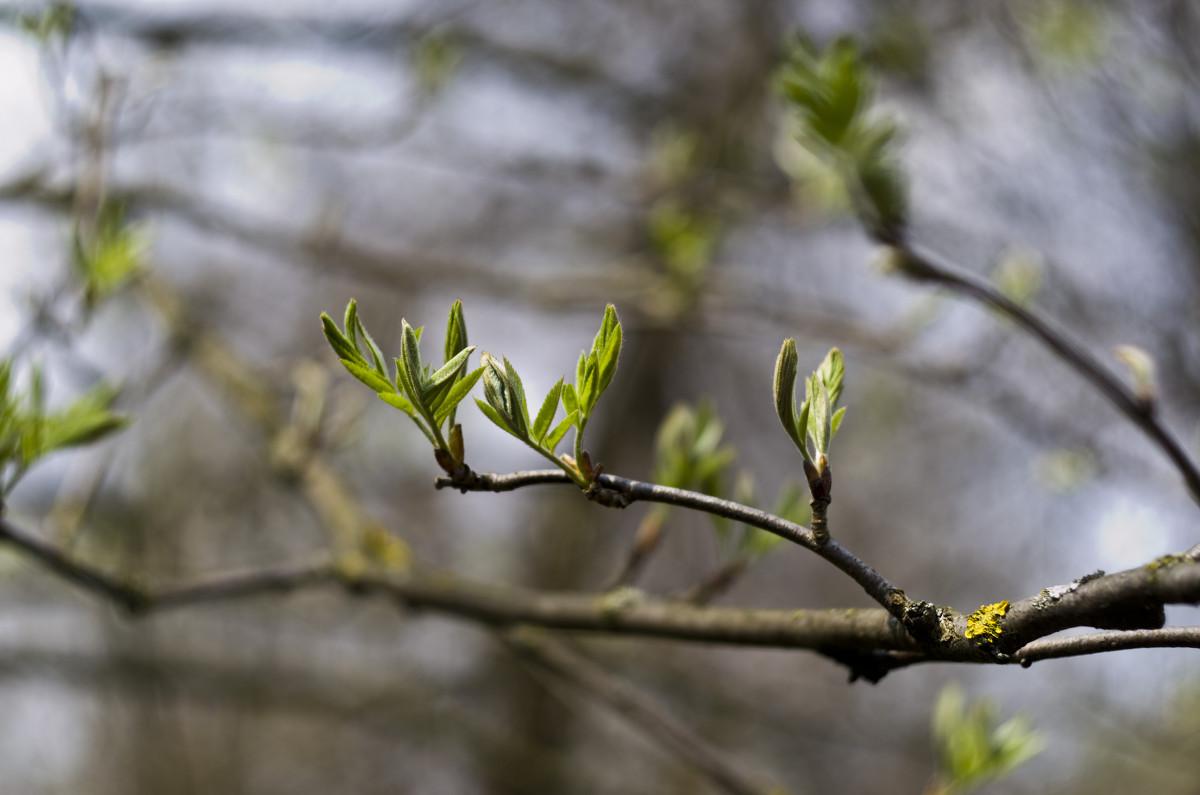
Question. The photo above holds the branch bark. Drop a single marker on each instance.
(868, 641)
(871, 581)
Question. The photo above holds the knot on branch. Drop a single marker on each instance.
(463, 478)
(929, 624)
(607, 497)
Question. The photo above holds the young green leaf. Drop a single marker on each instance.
(350, 324)
(376, 354)
(502, 396)
(580, 373)
(784, 389)
(399, 401)
(609, 355)
(410, 361)
(570, 400)
(519, 390)
(589, 393)
(833, 370)
(338, 341)
(368, 376)
(456, 331)
(818, 415)
(545, 415)
(837, 422)
(86, 420)
(802, 427)
(494, 415)
(451, 368)
(556, 435)
(456, 394)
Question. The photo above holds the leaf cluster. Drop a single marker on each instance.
(831, 95)
(111, 256)
(507, 407)
(690, 454)
(814, 426)
(430, 397)
(972, 750)
(28, 431)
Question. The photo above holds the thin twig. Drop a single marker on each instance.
(82, 575)
(567, 665)
(876, 586)
(1099, 642)
(927, 267)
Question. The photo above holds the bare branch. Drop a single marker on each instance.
(870, 580)
(1099, 642)
(870, 642)
(87, 578)
(927, 267)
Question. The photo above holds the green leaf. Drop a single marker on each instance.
(350, 324)
(496, 417)
(368, 376)
(970, 750)
(837, 422)
(580, 372)
(609, 355)
(457, 393)
(556, 436)
(405, 384)
(341, 346)
(817, 398)
(410, 360)
(832, 371)
(450, 368)
(589, 393)
(784, 389)
(85, 421)
(391, 398)
(802, 428)
(456, 331)
(502, 396)
(519, 390)
(570, 400)
(545, 415)
(376, 354)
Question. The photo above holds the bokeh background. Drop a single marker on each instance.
(538, 159)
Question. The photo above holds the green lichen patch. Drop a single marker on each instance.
(983, 626)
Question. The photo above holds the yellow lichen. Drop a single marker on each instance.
(984, 624)
(1166, 561)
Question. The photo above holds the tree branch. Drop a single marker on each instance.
(871, 581)
(1099, 642)
(870, 642)
(927, 267)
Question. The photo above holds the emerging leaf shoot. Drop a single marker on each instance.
(429, 398)
(831, 95)
(819, 417)
(28, 432)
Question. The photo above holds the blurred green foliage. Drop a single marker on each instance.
(972, 750)
(831, 96)
(28, 431)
